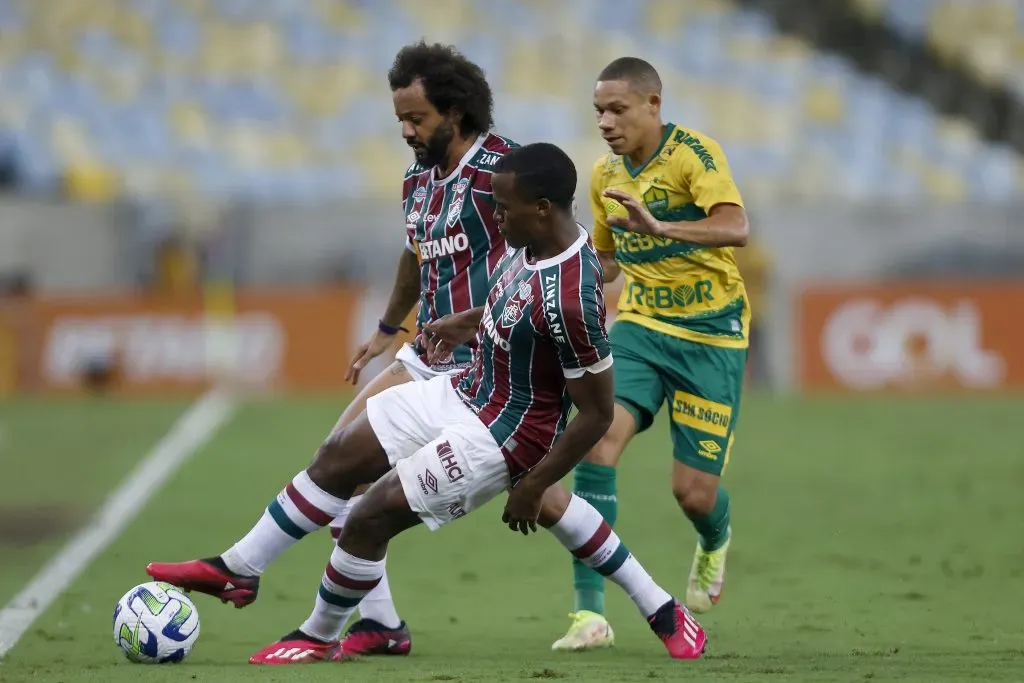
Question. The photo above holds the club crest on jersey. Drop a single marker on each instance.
(517, 303)
(454, 211)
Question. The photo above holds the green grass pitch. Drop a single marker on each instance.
(875, 540)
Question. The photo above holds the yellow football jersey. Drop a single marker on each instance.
(678, 288)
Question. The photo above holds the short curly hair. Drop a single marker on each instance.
(543, 171)
(450, 81)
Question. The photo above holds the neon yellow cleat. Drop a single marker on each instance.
(589, 631)
(707, 577)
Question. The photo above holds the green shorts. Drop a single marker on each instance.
(702, 384)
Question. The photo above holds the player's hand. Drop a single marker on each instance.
(639, 219)
(523, 507)
(366, 352)
(442, 336)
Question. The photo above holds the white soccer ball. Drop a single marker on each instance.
(156, 623)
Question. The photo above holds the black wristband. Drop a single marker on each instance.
(388, 329)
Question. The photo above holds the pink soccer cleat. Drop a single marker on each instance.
(683, 637)
(369, 637)
(208, 576)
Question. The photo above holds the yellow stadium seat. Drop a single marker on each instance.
(286, 149)
(441, 20)
(529, 73)
(383, 162)
(944, 184)
(791, 48)
(90, 182)
(131, 29)
(246, 144)
(261, 48)
(664, 17)
(824, 104)
(190, 123)
(69, 142)
(340, 15)
(959, 133)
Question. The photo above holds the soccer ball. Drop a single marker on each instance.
(155, 623)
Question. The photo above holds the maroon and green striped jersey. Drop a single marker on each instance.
(449, 224)
(544, 322)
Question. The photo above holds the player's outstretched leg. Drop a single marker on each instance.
(582, 530)
(355, 569)
(379, 630)
(315, 496)
(706, 504)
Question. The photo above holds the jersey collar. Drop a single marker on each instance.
(462, 163)
(564, 256)
(633, 173)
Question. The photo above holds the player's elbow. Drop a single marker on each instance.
(741, 232)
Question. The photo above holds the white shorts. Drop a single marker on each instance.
(447, 461)
(421, 371)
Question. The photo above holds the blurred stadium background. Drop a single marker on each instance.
(152, 145)
(196, 190)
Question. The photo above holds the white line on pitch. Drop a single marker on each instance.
(187, 436)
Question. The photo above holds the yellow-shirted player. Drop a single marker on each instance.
(667, 214)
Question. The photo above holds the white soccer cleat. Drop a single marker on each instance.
(707, 578)
(589, 631)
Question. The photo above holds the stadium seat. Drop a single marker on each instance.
(288, 99)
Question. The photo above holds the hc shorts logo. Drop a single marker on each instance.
(701, 414)
(449, 463)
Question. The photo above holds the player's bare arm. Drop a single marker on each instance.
(593, 395)
(609, 266)
(404, 295)
(725, 226)
(443, 335)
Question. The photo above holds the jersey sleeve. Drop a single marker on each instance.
(705, 170)
(602, 234)
(578, 325)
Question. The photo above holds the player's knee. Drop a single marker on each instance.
(372, 521)
(331, 470)
(695, 498)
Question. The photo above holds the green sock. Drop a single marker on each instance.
(714, 529)
(596, 485)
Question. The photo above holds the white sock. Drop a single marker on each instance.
(345, 583)
(300, 508)
(338, 523)
(586, 535)
(378, 603)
